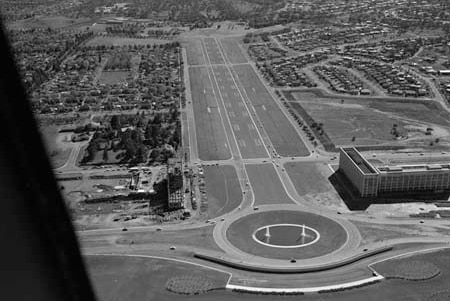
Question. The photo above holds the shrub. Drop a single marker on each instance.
(189, 285)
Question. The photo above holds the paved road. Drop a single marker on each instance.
(102, 241)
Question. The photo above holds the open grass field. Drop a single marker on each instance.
(47, 22)
(281, 132)
(223, 190)
(138, 278)
(122, 41)
(370, 121)
(266, 185)
(307, 178)
(247, 136)
(58, 150)
(113, 77)
(211, 137)
(213, 51)
(194, 52)
(332, 235)
(233, 51)
(123, 278)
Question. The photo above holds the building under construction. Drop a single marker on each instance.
(175, 183)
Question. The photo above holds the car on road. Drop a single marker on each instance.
(124, 229)
(172, 248)
(256, 208)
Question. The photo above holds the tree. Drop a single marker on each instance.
(152, 134)
(105, 155)
(116, 123)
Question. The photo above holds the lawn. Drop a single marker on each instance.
(57, 149)
(194, 52)
(281, 132)
(244, 129)
(139, 278)
(266, 185)
(232, 50)
(114, 157)
(136, 280)
(211, 137)
(370, 121)
(113, 77)
(223, 190)
(47, 22)
(122, 41)
(332, 235)
(213, 51)
(307, 178)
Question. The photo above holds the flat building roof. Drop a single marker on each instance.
(359, 160)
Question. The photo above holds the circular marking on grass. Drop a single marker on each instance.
(247, 234)
(286, 236)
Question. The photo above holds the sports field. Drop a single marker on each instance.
(247, 136)
(266, 185)
(138, 278)
(307, 178)
(213, 51)
(233, 51)
(371, 121)
(331, 235)
(223, 190)
(194, 52)
(280, 131)
(211, 137)
(122, 41)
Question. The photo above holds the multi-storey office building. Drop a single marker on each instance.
(372, 180)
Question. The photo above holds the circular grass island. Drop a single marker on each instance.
(286, 234)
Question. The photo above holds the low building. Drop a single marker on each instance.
(372, 180)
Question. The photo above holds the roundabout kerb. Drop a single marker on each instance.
(333, 240)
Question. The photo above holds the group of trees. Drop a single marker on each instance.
(119, 61)
(137, 138)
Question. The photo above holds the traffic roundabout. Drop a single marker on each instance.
(286, 234)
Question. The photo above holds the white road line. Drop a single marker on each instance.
(243, 100)
(223, 102)
(240, 164)
(215, 97)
